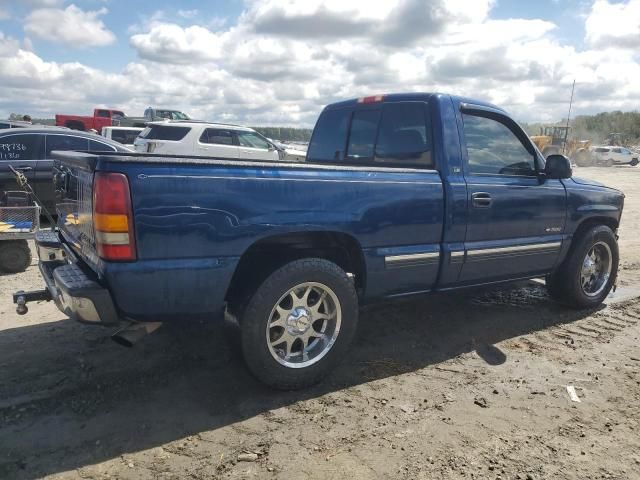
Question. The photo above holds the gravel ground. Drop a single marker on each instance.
(464, 385)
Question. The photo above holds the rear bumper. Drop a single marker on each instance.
(75, 291)
(143, 291)
(77, 295)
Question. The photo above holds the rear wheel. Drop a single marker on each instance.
(299, 323)
(587, 275)
(15, 256)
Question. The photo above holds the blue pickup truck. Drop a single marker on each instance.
(399, 195)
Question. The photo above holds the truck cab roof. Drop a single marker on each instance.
(407, 97)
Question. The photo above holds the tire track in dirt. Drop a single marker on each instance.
(599, 327)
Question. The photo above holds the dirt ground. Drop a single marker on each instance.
(464, 385)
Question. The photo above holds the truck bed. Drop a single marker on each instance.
(195, 217)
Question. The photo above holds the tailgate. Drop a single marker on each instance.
(73, 183)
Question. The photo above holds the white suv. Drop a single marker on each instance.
(607, 155)
(210, 140)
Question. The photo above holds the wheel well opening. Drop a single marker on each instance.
(590, 223)
(267, 255)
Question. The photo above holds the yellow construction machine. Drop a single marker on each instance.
(554, 139)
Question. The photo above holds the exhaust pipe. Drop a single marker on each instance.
(130, 334)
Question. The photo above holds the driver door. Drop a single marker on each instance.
(515, 220)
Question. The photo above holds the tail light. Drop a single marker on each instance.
(113, 217)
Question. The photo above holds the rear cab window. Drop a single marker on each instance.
(165, 132)
(362, 135)
(394, 134)
(329, 139)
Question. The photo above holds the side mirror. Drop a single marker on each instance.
(558, 166)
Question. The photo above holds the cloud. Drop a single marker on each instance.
(281, 61)
(392, 23)
(189, 14)
(611, 25)
(43, 3)
(71, 26)
(167, 42)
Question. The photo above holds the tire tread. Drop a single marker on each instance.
(252, 324)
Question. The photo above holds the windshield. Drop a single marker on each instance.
(172, 115)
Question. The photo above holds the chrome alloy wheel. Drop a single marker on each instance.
(596, 269)
(304, 325)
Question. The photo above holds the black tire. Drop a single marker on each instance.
(15, 256)
(257, 314)
(564, 284)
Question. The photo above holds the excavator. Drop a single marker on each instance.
(552, 140)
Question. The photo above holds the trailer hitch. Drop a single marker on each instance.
(20, 298)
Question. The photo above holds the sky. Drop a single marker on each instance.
(278, 62)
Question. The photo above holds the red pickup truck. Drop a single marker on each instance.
(102, 117)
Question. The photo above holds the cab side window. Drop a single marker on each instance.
(494, 149)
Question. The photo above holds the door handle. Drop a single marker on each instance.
(481, 199)
(24, 169)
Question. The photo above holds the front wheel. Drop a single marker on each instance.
(587, 275)
(299, 323)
